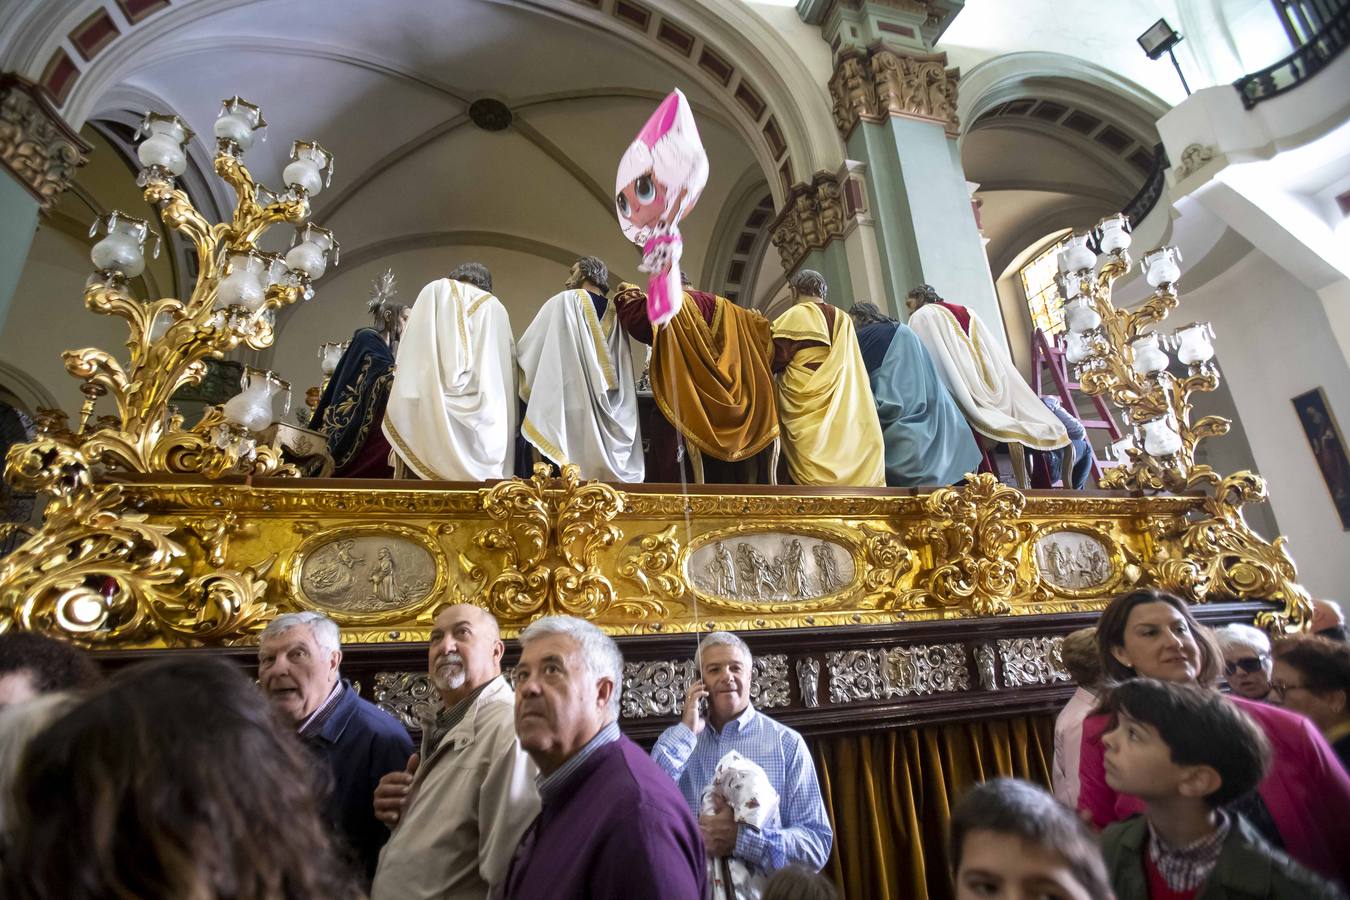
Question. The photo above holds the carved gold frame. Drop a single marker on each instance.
(293, 569)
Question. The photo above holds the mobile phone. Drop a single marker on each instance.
(703, 707)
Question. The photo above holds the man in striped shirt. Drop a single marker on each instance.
(689, 753)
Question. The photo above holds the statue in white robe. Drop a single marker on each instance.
(993, 395)
(452, 409)
(577, 381)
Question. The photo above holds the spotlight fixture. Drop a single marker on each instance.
(1160, 38)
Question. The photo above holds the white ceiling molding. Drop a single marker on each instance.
(743, 198)
(354, 186)
(1056, 76)
(1093, 191)
(348, 189)
(602, 196)
(757, 50)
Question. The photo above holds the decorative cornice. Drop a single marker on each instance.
(36, 145)
(881, 81)
(813, 216)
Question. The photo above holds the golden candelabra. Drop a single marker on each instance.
(1116, 352)
(100, 572)
(170, 339)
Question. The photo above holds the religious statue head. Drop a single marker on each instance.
(865, 313)
(808, 284)
(390, 317)
(661, 173)
(474, 273)
(589, 269)
(921, 296)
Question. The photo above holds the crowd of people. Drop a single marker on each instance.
(447, 392)
(180, 778)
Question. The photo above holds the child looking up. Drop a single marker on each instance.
(1187, 753)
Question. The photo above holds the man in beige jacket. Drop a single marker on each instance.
(459, 809)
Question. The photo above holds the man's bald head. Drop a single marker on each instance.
(465, 651)
(1328, 619)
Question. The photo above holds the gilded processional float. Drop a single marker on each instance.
(875, 605)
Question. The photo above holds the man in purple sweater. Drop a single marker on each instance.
(612, 824)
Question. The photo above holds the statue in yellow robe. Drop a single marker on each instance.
(831, 436)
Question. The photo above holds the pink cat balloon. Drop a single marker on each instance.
(660, 178)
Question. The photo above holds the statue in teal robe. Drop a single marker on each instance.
(928, 441)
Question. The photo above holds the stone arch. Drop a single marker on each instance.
(728, 49)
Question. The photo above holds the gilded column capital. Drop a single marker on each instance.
(36, 145)
(870, 85)
(812, 217)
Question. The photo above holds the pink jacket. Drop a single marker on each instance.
(1306, 790)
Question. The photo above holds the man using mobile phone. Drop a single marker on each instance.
(718, 718)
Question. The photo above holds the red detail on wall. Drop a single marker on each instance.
(775, 137)
(853, 198)
(715, 66)
(904, 30)
(59, 76)
(633, 14)
(135, 10)
(750, 100)
(678, 38)
(93, 34)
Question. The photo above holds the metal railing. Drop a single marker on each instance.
(1142, 203)
(1305, 62)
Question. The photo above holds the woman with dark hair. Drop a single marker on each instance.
(1302, 805)
(170, 782)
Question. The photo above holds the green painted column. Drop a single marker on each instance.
(18, 224)
(924, 223)
(38, 160)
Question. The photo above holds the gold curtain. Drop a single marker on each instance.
(890, 795)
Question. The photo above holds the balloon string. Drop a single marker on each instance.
(681, 456)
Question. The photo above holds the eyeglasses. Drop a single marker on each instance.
(1279, 689)
(1249, 664)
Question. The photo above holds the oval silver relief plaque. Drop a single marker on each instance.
(1073, 560)
(367, 573)
(771, 566)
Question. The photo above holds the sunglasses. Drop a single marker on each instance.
(1249, 664)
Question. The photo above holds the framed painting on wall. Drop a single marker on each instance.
(1328, 448)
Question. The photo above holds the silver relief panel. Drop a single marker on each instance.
(658, 688)
(1073, 560)
(897, 672)
(1033, 660)
(655, 688)
(772, 565)
(409, 697)
(368, 573)
(769, 682)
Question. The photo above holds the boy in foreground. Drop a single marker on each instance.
(1187, 754)
(1012, 839)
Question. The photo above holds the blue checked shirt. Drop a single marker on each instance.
(800, 832)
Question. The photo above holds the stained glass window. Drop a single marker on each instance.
(1038, 282)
